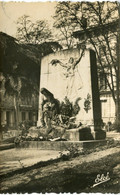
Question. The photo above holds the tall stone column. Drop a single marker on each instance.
(11, 119)
(41, 98)
(26, 115)
(34, 118)
(3, 117)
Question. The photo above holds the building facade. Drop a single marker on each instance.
(27, 109)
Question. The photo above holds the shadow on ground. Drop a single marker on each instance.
(78, 179)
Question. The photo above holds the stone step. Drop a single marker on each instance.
(7, 146)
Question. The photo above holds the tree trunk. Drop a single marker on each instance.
(118, 77)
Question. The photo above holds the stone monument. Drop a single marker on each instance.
(73, 74)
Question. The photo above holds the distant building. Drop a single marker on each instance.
(27, 109)
(26, 112)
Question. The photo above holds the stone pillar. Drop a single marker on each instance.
(20, 116)
(97, 116)
(34, 117)
(11, 119)
(95, 92)
(41, 97)
(3, 117)
(26, 115)
(3, 122)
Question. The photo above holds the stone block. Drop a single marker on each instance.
(93, 143)
(99, 135)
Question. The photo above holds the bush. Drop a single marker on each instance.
(25, 125)
(115, 126)
(69, 109)
(66, 107)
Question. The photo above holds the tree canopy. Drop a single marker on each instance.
(29, 32)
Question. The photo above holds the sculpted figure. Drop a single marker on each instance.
(49, 107)
(71, 74)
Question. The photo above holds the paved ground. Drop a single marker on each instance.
(75, 175)
(113, 134)
(14, 159)
(18, 159)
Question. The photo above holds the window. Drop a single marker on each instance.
(23, 116)
(30, 116)
(8, 118)
(103, 81)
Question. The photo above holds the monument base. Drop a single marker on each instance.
(61, 145)
(98, 135)
(83, 134)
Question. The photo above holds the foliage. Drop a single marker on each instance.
(66, 108)
(87, 103)
(20, 65)
(114, 126)
(64, 26)
(29, 32)
(69, 109)
(71, 152)
(74, 150)
(25, 125)
(17, 60)
(17, 141)
(23, 59)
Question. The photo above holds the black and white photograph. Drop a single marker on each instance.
(59, 97)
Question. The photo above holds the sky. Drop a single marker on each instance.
(11, 11)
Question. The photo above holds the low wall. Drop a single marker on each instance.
(61, 145)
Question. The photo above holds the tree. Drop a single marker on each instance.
(64, 26)
(29, 32)
(99, 30)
